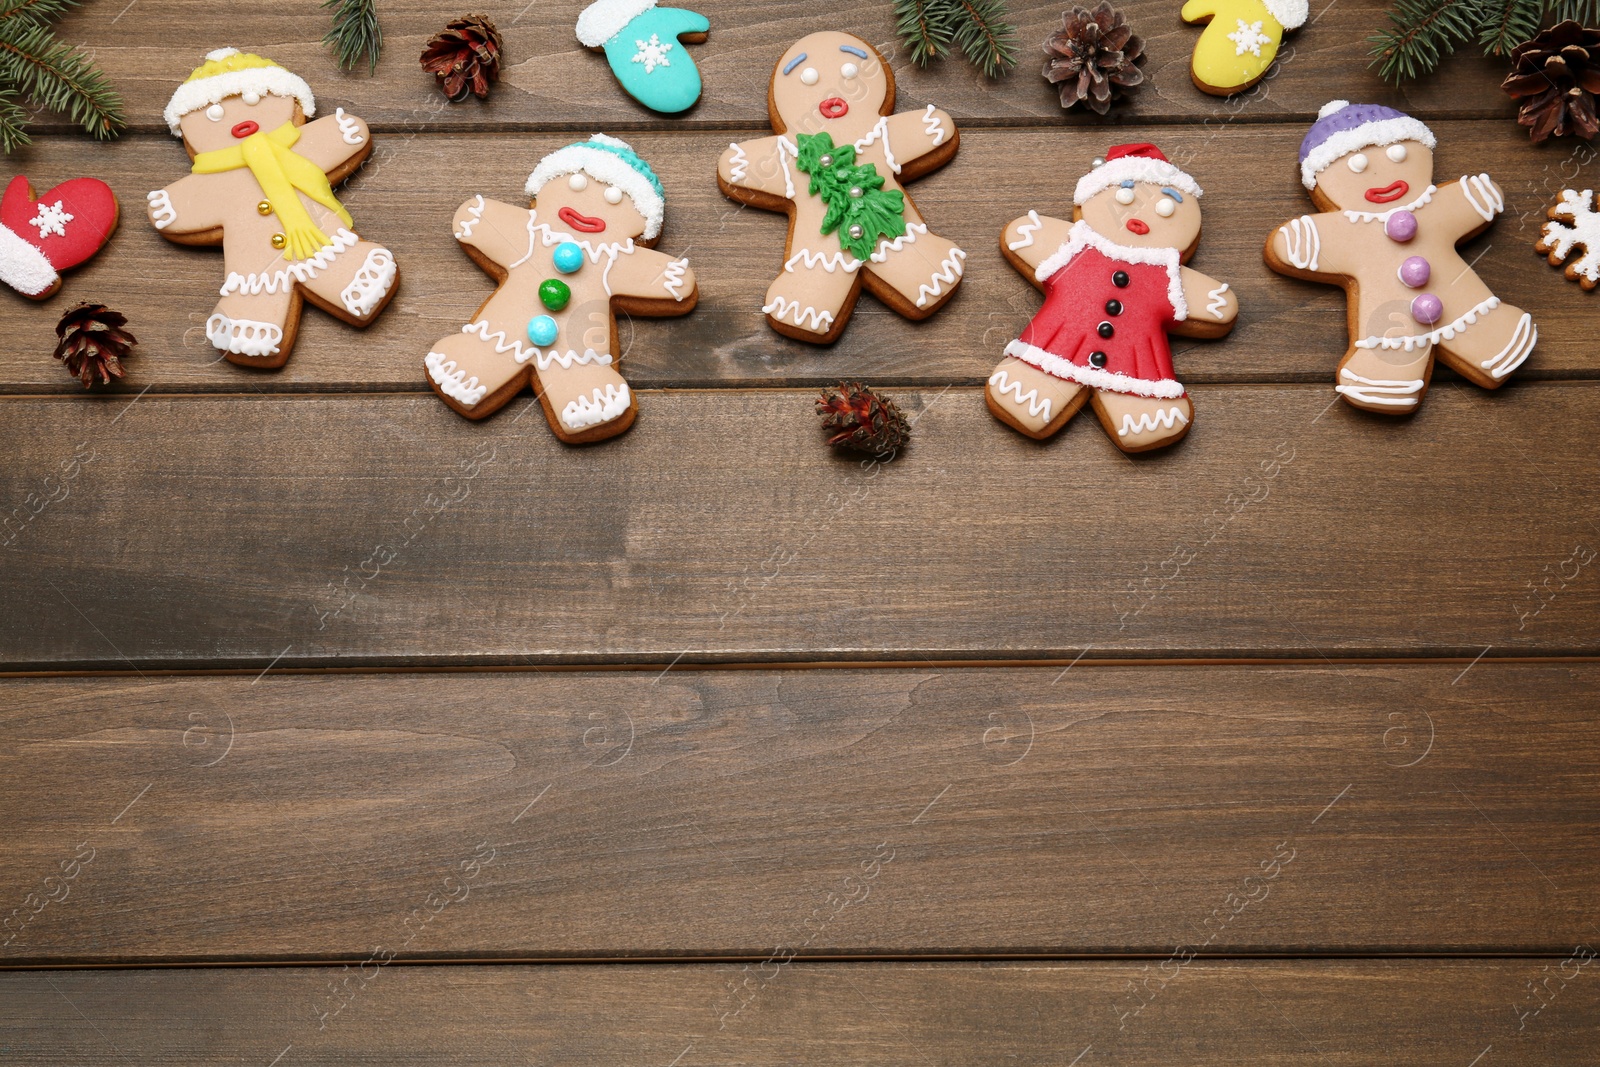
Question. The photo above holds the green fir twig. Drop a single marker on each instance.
(930, 28)
(356, 34)
(39, 69)
(1422, 33)
(922, 29)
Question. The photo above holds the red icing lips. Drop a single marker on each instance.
(833, 108)
(582, 223)
(245, 129)
(1138, 226)
(1388, 193)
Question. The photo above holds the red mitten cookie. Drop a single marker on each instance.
(41, 236)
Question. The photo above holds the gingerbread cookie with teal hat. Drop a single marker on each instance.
(566, 265)
(644, 44)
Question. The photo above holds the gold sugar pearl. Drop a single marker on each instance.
(279, 240)
(265, 207)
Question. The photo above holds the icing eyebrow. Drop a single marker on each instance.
(852, 50)
(1127, 184)
(795, 62)
(1172, 193)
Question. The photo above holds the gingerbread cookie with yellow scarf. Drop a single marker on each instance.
(262, 187)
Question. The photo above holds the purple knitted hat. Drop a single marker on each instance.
(1343, 127)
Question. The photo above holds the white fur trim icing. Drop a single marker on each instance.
(1093, 377)
(1133, 168)
(24, 267)
(268, 81)
(1082, 236)
(604, 19)
(1291, 14)
(1367, 135)
(602, 166)
(243, 337)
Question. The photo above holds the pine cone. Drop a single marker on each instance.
(465, 57)
(1556, 76)
(93, 342)
(866, 421)
(1094, 57)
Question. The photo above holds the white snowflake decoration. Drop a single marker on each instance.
(1561, 238)
(653, 53)
(51, 219)
(1248, 38)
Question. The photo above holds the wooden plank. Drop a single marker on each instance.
(1289, 331)
(860, 812)
(387, 531)
(550, 82)
(1432, 1013)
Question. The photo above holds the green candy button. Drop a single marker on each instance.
(555, 294)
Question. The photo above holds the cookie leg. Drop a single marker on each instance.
(473, 374)
(1389, 381)
(1486, 352)
(1030, 401)
(356, 286)
(813, 298)
(585, 399)
(1140, 423)
(916, 274)
(256, 329)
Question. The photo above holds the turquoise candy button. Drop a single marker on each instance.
(542, 330)
(569, 257)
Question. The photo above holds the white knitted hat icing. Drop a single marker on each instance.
(1291, 14)
(197, 93)
(604, 19)
(609, 160)
(1137, 169)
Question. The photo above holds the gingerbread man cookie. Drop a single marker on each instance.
(566, 265)
(1240, 40)
(837, 166)
(1388, 235)
(262, 187)
(1115, 287)
(1574, 226)
(40, 236)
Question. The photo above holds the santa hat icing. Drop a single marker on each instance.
(230, 72)
(1132, 163)
(604, 19)
(608, 160)
(1343, 127)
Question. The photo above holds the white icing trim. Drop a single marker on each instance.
(1026, 231)
(1291, 14)
(1488, 202)
(1082, 236)
(933, 125)
(672, 277)
(1134, 169)
(1395, 394)
(605, 167)
(1383, 216)
(949, 273)
(370, 284)
(1367, 135)
(1093, 377)
(567, 359)
(881, 129)
(1218, 303)
(243, 337)
(1516, 351)
(349, 128)
(452, 382)
(605, 406)
(604, 19)
(1036, 405)
(1302, 242)
(268, 81)
(828, 261)
(302, 270)
(534, 226)
(886, 246)
(476, 211)
(502, 343)
(1165, 419)
(23, 266)
(1432, 337)
(162, 213)
(737, 163)
(821, 321)
(787, 148)
(1584, 230)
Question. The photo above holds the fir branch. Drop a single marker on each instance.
(1584, 12)
(1504, 24)
(1422, 34)
(54, 75)
(923, 28)
(12, 135)
(983, 34)
(40, 11)
(356, 34)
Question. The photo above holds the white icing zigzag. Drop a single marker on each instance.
(828, 261)
(1303, 241)
(909, 237)
(502, 343)
(1383, 216)
(881, 130)
(567, 359)
(452, 382)
(1026, 231)
(162, 212)
(738, 164)
(349, 128)
(301, 270)
(1516, 351)
(371, 283)
(821, 321)
(1488, 201)
(934, 125)
(603, 407)
(1432, 337)
(1218, 302)
(1394, 394)
(1036, 405)
(242, 336)
(787, 148)
(1165, 419)
(949, 273)
(672, 278)
(476, 211)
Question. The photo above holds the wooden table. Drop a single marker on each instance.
(709, 746)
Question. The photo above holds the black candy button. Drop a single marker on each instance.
(1113, 307)
(1097, 358)
(1105, 329)
(1120, 279)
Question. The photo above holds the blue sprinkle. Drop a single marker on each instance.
(795, 62)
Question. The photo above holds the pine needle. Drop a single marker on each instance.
(356, 34)
(923, 29)
(1422, 33)
(12, 135)
(45, 71)
(983, 34)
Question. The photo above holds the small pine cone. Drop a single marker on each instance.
(1556, 77)
(1094, 57)
(865, 421)
(465, 57)
(93, 342)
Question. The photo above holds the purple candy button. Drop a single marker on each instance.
(1427, 309)
(1400, 226)
(1414, 272)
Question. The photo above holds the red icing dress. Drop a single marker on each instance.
(1107, 309)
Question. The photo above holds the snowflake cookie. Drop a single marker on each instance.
(1574, 226)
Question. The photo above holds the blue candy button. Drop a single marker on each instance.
(568, 257)
(542, 330)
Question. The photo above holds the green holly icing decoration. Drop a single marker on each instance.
(554, 294)
(858, 207)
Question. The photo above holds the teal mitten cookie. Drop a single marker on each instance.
(644, 45)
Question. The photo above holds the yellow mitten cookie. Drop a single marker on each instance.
(1240, 41)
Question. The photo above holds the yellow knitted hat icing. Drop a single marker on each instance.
(230, 72)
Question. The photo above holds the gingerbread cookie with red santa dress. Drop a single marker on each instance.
(1115, 286)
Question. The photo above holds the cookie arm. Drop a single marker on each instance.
(1033, 239)
(183, 207)
(1302, 245)
(1210, 302)
(914, 134)
(501, 233)
(334, 139)
(1469, 204)
(646, 274)
(758, 166)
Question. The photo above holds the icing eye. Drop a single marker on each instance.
(1358, 162)
(613, 195)
(578, 183)
(250, 98)
(214, 112)
(1397, 153)
(1124, 196)
(849, 70)
(1166, 206)
(809, 76)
